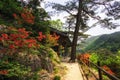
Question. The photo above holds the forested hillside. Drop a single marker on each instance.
(107, 41)
(88, 41)
(106, 49)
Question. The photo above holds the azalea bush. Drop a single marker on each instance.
(25, 16)
(106, 68)
(23, 49)
(19, 39)
(84, 58)
(52, 40)
(16, 44)
(22, 54)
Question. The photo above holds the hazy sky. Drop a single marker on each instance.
(93, 31)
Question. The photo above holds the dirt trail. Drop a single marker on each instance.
(73, 72)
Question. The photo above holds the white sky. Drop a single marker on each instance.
(93, 31)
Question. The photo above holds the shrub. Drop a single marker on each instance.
(13, 70)
(57, 77)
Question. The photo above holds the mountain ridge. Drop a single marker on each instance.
(108, 41)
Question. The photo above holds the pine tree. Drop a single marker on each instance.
(80, 11)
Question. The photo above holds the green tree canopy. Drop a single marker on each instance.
(7, 8)
(57, 24)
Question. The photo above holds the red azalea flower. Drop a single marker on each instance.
(30, 45)
(13, 36)
(106, 68)
(0, 38)
(12, 46)
(41, 36)
(5, 36)
(23, 33)
(17, 42)
(15, 16)
(4, 72)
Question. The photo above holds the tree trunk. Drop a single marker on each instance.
(75, 37)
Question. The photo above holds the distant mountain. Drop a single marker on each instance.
(108, 41)
(88, 41)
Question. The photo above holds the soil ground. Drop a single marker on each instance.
(73, 71)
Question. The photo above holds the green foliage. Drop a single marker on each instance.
(57, 78)
(35, 76)
(103, 55)
(53, 56)
(42, 26)
(14, 70)
(18, 70)
(109, 59)
(40, 14)
(110, 42)
(57, 24)
(33, 51)
(105, 77)
(8, 7)
(94, 58)
(14, 7)
(86, 45)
